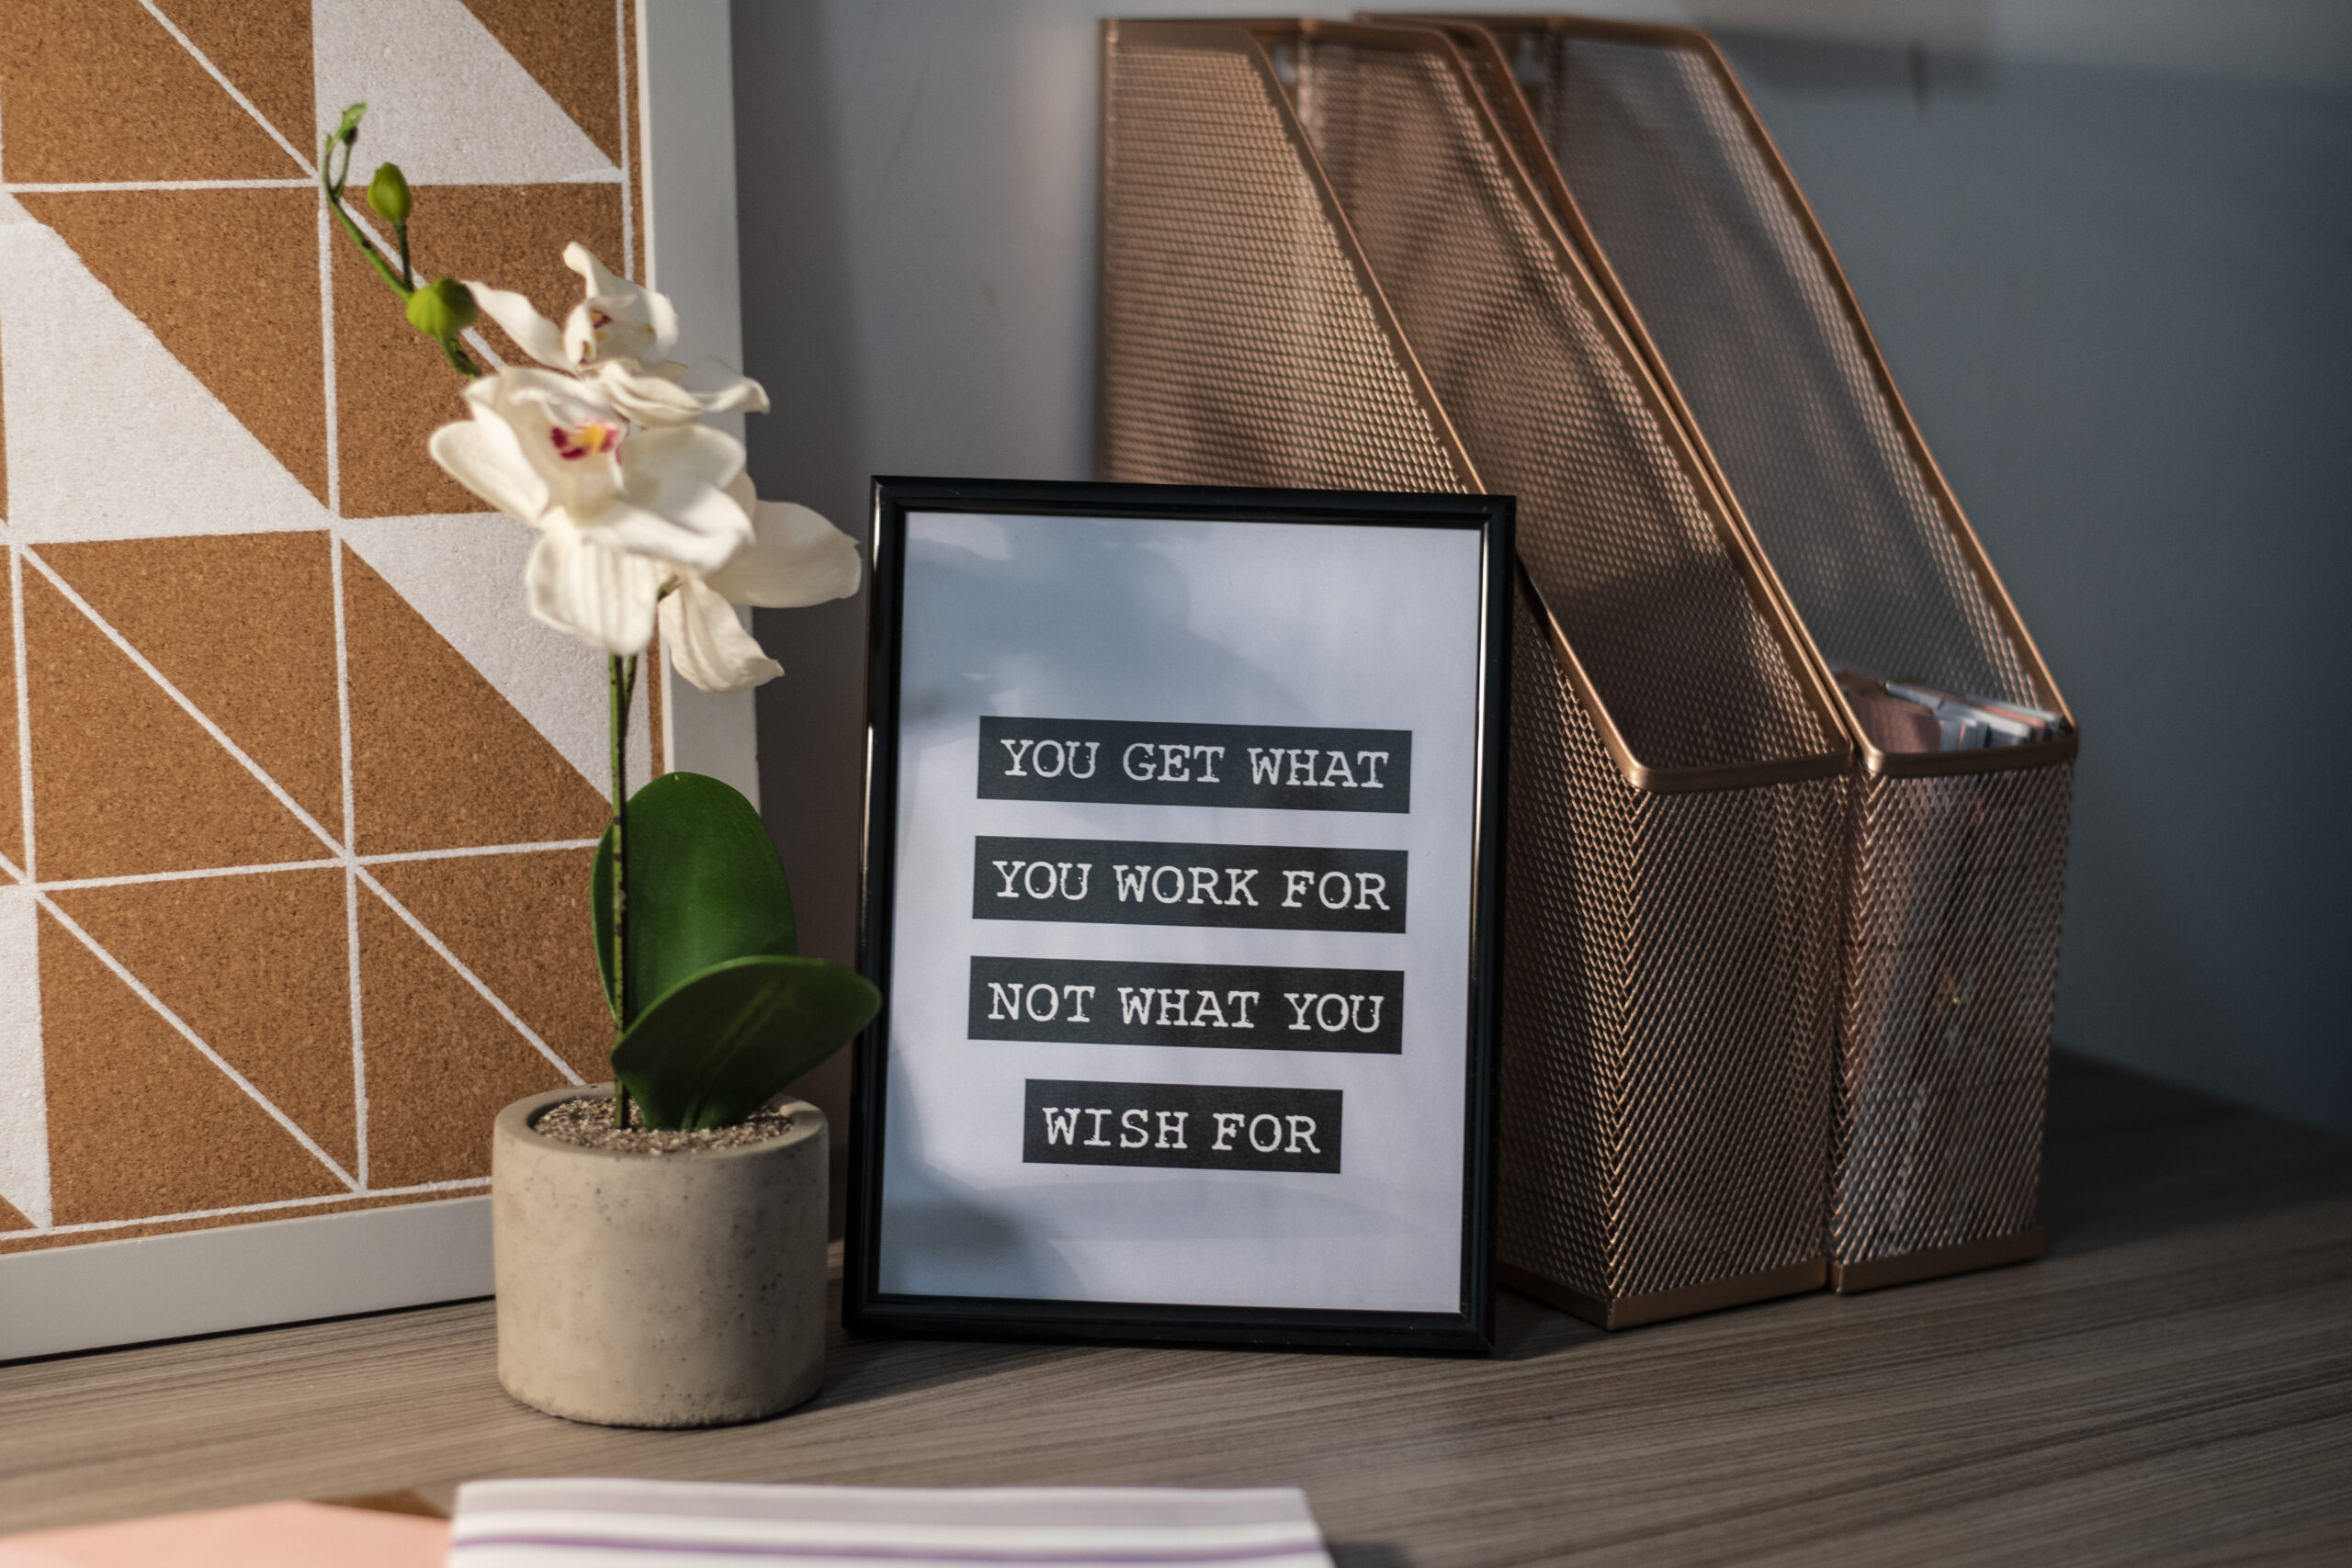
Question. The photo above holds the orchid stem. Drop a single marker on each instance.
(460, 361)
(401, 283)
(621, 677)
(331, 181)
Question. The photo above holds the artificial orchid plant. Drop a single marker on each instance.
(646, 519)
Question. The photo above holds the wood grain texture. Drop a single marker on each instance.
(2173, 1383)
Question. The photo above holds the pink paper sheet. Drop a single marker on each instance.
(270, 1535)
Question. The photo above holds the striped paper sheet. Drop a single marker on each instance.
(647, 1524)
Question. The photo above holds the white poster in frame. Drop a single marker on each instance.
(266, 1268)
(1182, 832)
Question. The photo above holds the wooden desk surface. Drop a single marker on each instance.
(2172, 1382)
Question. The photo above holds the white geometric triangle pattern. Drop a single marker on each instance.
(439, 87)
(109, 436)
(464, 574)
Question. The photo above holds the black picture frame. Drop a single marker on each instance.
(865, 1308)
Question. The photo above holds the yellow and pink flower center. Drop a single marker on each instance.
(587, 440)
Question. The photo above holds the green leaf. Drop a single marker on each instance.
(705, 885)
(725, 1042)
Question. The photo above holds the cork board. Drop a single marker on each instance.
(296, 801)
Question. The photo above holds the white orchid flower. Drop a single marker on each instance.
(620, 337)
(657, 397)
(537, 336)
(618, 320)
(645, 517)
(621, 512)
(796, 559)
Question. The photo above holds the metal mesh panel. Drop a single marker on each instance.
(1670, 961)
(1240, 343)
(1751, 323)
(1951, 975)
(1553, 406)
(1498, 84)
(1672, 958)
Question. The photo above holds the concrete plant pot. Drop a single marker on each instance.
(674, 1290)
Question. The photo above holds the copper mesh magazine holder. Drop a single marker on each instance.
(1678, 773)
(1654, 160)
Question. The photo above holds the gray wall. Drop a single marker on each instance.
(2106, 250)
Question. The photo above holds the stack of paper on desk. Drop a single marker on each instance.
(642, 1523)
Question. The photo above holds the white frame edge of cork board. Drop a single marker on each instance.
(686, 117)
(64, 1299)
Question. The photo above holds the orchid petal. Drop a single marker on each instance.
(739, 394)
(662, 317)
(704, 642)
(563, 429)
(537, 336)
(672, 468)
(655, 398)
(601, 331)
(796, 559)
(602, 596)
(650, 401)
(630, 304)
(712, 456)
(481, 456)
(704, 542)
(717, 386)
(599, 279)
(673, 503)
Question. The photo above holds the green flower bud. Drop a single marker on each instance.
(442, 308)
(387, 193)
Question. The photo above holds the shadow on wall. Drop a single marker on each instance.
(2113, 297)
(915, 189)
(798, 341)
